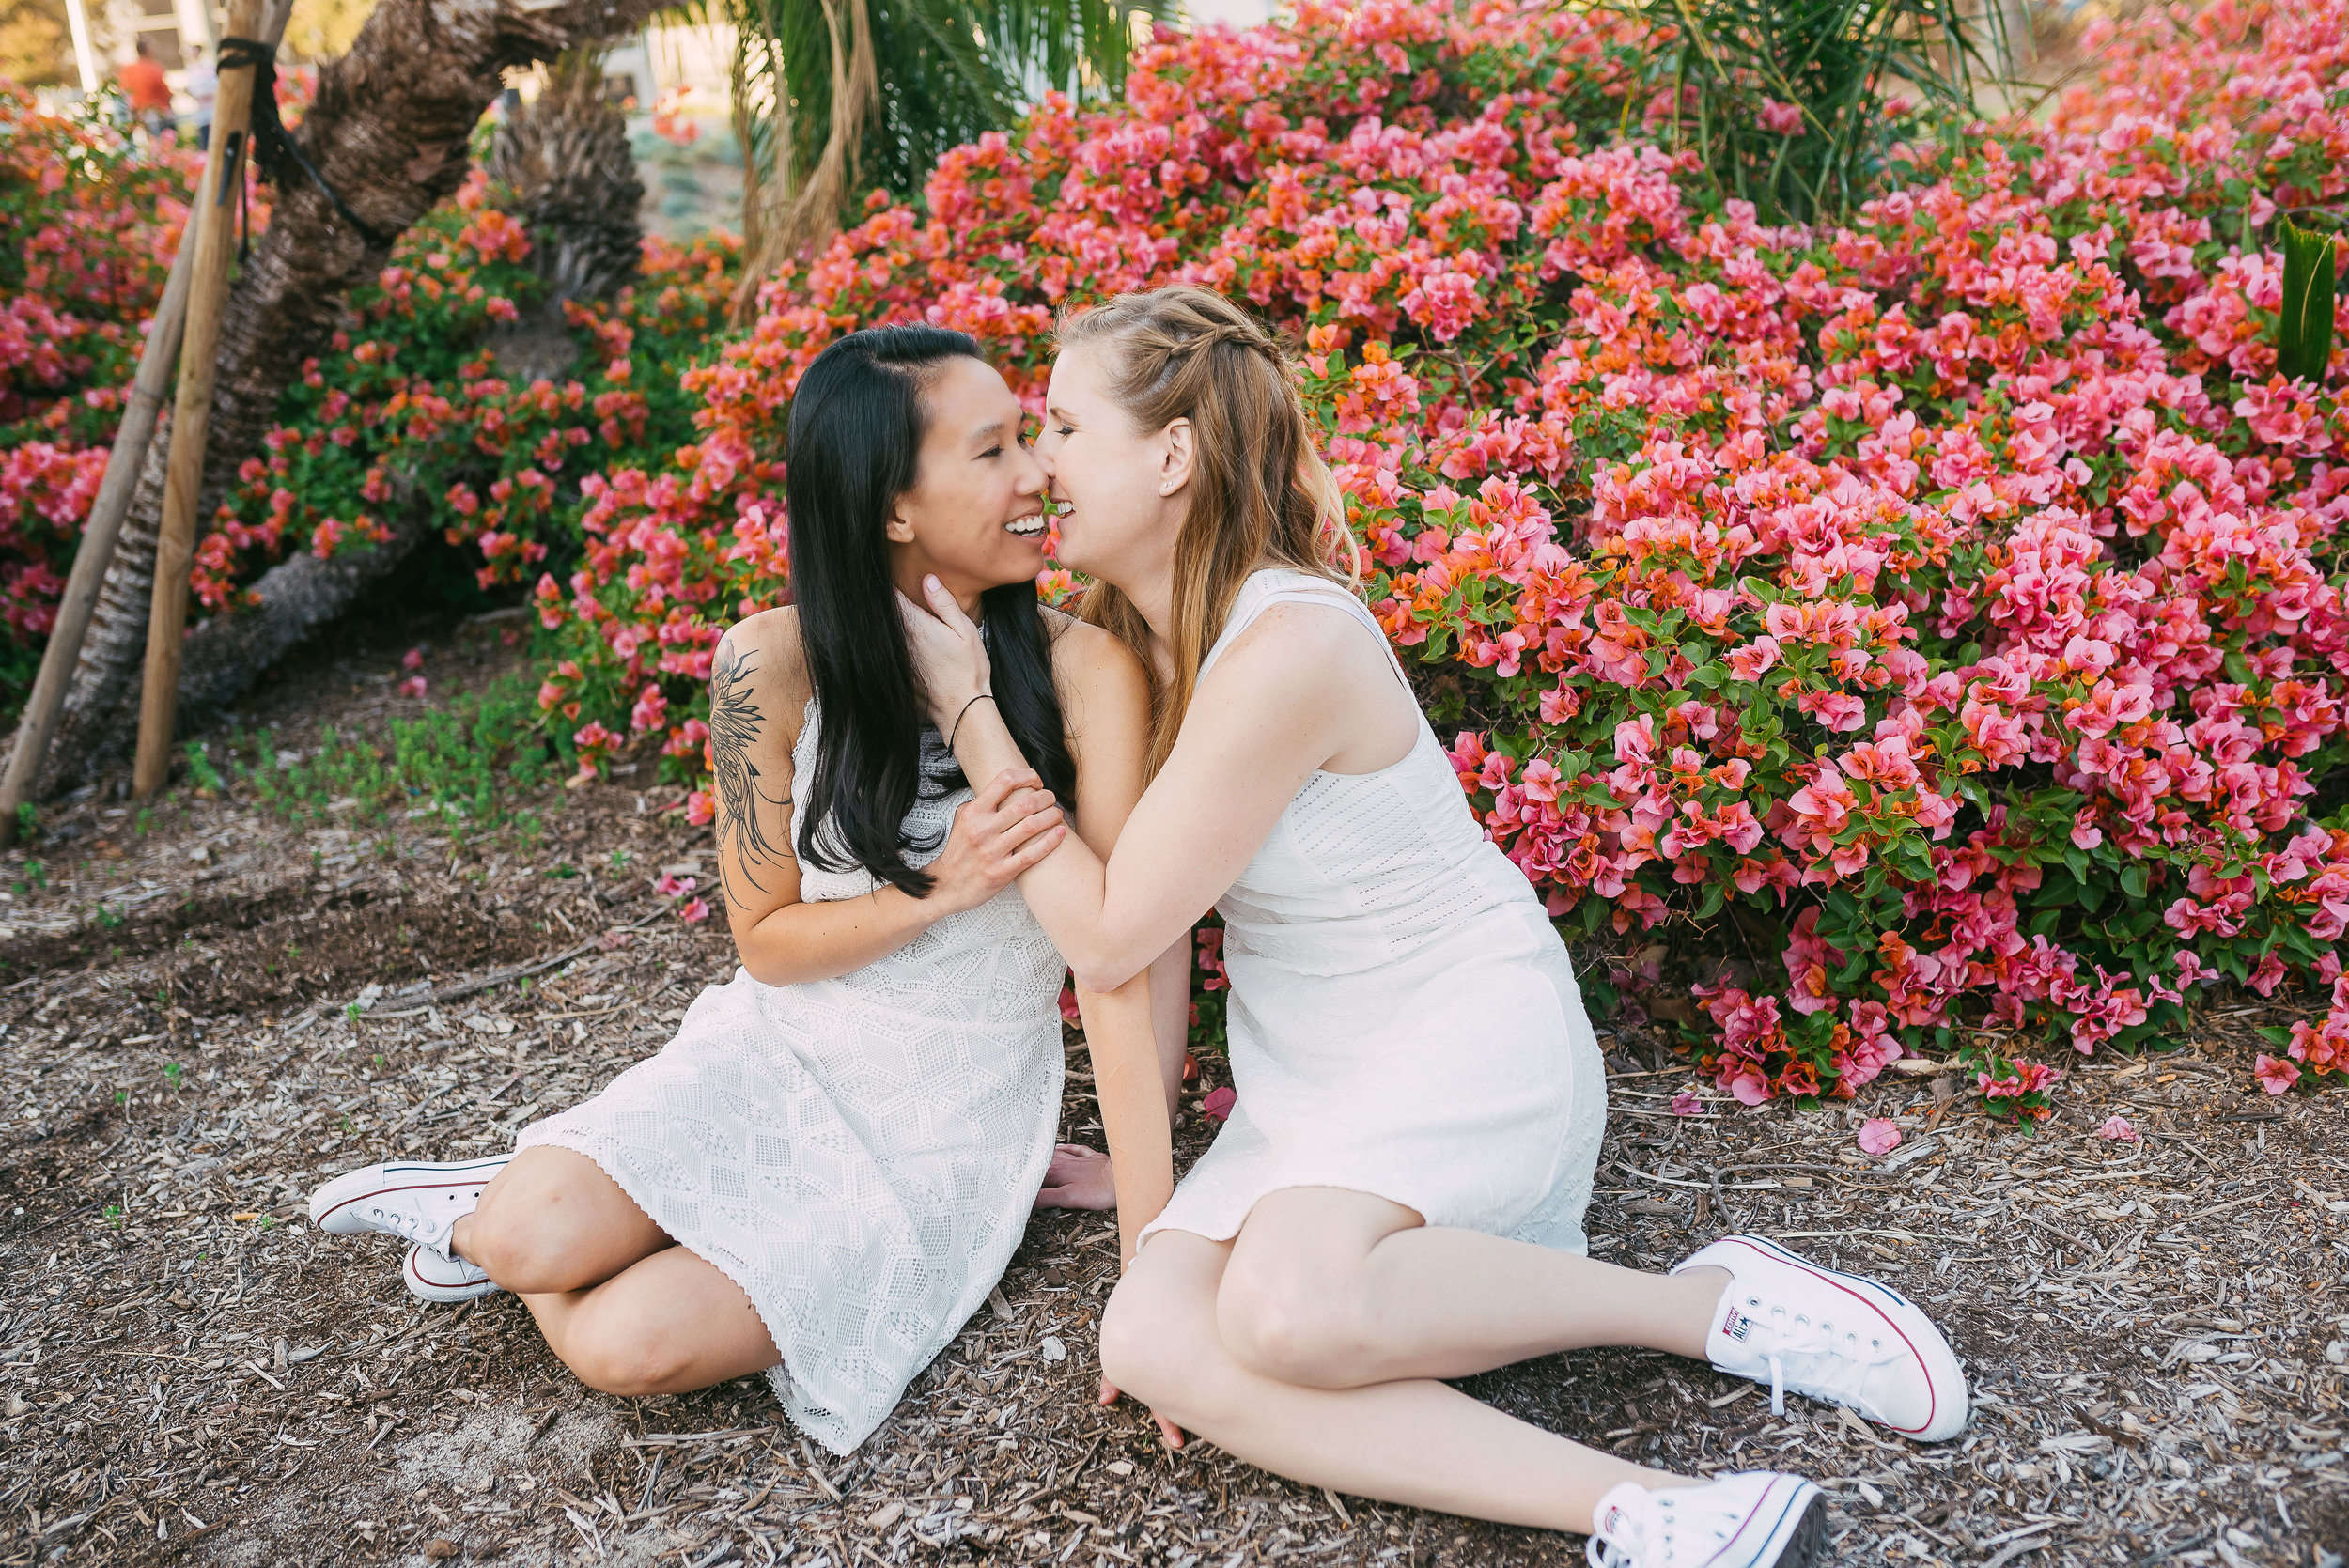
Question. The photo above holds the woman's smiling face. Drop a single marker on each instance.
(1120, 490)
(974, 517)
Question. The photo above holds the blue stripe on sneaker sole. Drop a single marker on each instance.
(1776, 1535)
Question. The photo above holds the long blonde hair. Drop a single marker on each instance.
(1260, 495)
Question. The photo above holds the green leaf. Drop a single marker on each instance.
(2304, 321)
(2133, 881)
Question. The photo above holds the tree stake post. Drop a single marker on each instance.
(214, 221)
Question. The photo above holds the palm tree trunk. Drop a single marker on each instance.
(388, 132)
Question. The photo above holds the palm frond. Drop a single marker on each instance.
(1838, 64)
(834, 98)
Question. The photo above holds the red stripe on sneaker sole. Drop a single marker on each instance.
(380, 1191)
(418, 1275)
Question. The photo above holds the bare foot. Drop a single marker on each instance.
(1167, 1429)
(1078, 1178)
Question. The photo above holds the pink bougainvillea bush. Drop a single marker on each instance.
(410, 409)
(92, 226)
(1953, 590)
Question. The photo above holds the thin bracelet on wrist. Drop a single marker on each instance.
(982, 697)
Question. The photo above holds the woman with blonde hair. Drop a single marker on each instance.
(1397, 1198)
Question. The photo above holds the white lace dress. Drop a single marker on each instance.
(859, 1154)
(1403, 1018)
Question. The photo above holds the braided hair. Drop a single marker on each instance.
(1260, 495)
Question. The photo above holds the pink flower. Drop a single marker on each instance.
(1878, 1136)
(700, 808)
(412, 659)
(1686, 1104)
(1068, 1004)
(2276, 1074)
(1783, 118)
(1217, 1103)
(694, 912)
(412, 687)
(1753, 660)
(651, 711)
(673, 886)
(2117, 1126)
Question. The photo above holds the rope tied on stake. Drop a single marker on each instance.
(274, 150)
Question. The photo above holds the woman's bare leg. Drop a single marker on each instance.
(668, 1324)
(552, 1220)
(1413, 1441)
(1080, 1177)
(1334, 1289)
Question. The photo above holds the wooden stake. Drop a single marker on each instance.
(214, 221)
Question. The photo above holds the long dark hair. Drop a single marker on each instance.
(857, 424)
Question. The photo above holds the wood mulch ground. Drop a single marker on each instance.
(2156, 1330)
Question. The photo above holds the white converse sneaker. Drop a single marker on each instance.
(432, 1275)
(414, 1200)
(1835, 1337)
(1744, 1519)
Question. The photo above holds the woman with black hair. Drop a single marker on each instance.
(826, 1171)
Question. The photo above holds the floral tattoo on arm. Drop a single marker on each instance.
(734, 725)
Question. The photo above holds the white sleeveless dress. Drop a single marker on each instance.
(1403, 1018)
(860, 1154)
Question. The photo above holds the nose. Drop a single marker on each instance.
(1036, 474)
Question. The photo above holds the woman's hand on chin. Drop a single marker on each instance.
(1078, 1178)
(949, 654)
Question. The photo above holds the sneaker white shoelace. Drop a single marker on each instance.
(421, 1229)
(1825, 1363)
(1616, 1548)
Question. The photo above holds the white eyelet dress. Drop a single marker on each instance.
(1403, 1018)
(859, 1154)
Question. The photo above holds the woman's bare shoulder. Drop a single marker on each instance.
(1090, 663)
(1314, 638)
(760, 660)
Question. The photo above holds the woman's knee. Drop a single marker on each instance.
(618, 1353)
(1161, 1348)
(1292, 1324)
(534, 1232)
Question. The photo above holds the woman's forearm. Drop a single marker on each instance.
(830, 937)
(1067, 890)
(1126, 1081)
